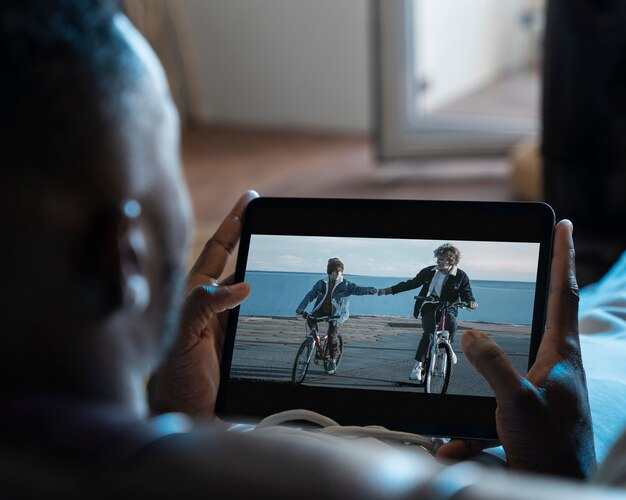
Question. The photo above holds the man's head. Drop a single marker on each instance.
(334, 268)
(447, 256)
(93, 196)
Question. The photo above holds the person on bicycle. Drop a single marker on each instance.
(331, 300)
(444, 282)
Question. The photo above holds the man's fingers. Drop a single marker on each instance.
(492, 364)
(462, 449)
(217, 251)
(225, 297)
(562, 319)
(456, 449)
(206, 300)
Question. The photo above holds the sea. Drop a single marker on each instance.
(279, 293)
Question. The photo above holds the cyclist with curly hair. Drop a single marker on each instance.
(443, 281)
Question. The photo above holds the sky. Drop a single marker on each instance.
(481, 260)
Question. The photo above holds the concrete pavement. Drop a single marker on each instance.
(378, 353)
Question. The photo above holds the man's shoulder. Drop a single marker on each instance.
(460, 273)
(460, 277)
(427, 270)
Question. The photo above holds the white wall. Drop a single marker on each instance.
(284, 63)
(461, 45)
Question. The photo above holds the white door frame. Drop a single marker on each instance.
(399, 133)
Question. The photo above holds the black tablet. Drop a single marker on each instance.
(348, 295)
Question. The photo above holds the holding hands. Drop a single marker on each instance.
(384, 291)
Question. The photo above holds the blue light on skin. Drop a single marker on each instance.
(210, 289)
(171, 423)
(585, 453)
(559, 372)
(132, 209)
(455, 479)
(399, 473)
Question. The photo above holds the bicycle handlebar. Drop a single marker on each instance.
(430, 300)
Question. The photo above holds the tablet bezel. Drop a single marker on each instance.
(437, 415)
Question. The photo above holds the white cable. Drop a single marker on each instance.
(294, 416)
(331, 428)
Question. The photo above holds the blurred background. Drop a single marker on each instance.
(414, 99)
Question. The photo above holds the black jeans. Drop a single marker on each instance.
(333, 330)
(429, 323)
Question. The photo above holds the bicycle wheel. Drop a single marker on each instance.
(303, 358)
(438, 373)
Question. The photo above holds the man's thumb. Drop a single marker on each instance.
(491, 362)
(224, 297)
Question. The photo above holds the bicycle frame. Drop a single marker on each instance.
(320, 342)
(437, 364)
(438, 336)
(440, 329)
(314, 346)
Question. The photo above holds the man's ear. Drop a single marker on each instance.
(123, 261)
(132, 251)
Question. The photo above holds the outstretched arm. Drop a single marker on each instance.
(362, 290)
(403, 286)
(188, 379)
(543, 419)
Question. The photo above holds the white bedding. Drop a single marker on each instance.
(603, 343)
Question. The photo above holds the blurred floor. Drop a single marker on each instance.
(221, 163)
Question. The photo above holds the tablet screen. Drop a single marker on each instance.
(413, 276)
(380, 333)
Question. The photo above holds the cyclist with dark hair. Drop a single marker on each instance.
(332, 300)
(443, 281)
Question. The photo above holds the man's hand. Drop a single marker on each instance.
(384, 291)
(543, 420)
(473, 305)
(372, 291)
(188, 379)
(299, 311)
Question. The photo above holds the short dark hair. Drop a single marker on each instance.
(62, 64)
(67, 74)
(333, 264)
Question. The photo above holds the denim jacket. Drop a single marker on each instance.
(340, 297)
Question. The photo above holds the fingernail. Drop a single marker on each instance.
(210, 289)
(469, 337)
(473, 334)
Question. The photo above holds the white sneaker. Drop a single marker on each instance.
(331, 367)
(416, 372)
(454, 360)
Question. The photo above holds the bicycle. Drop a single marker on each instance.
(438, 362)
(313, 343)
